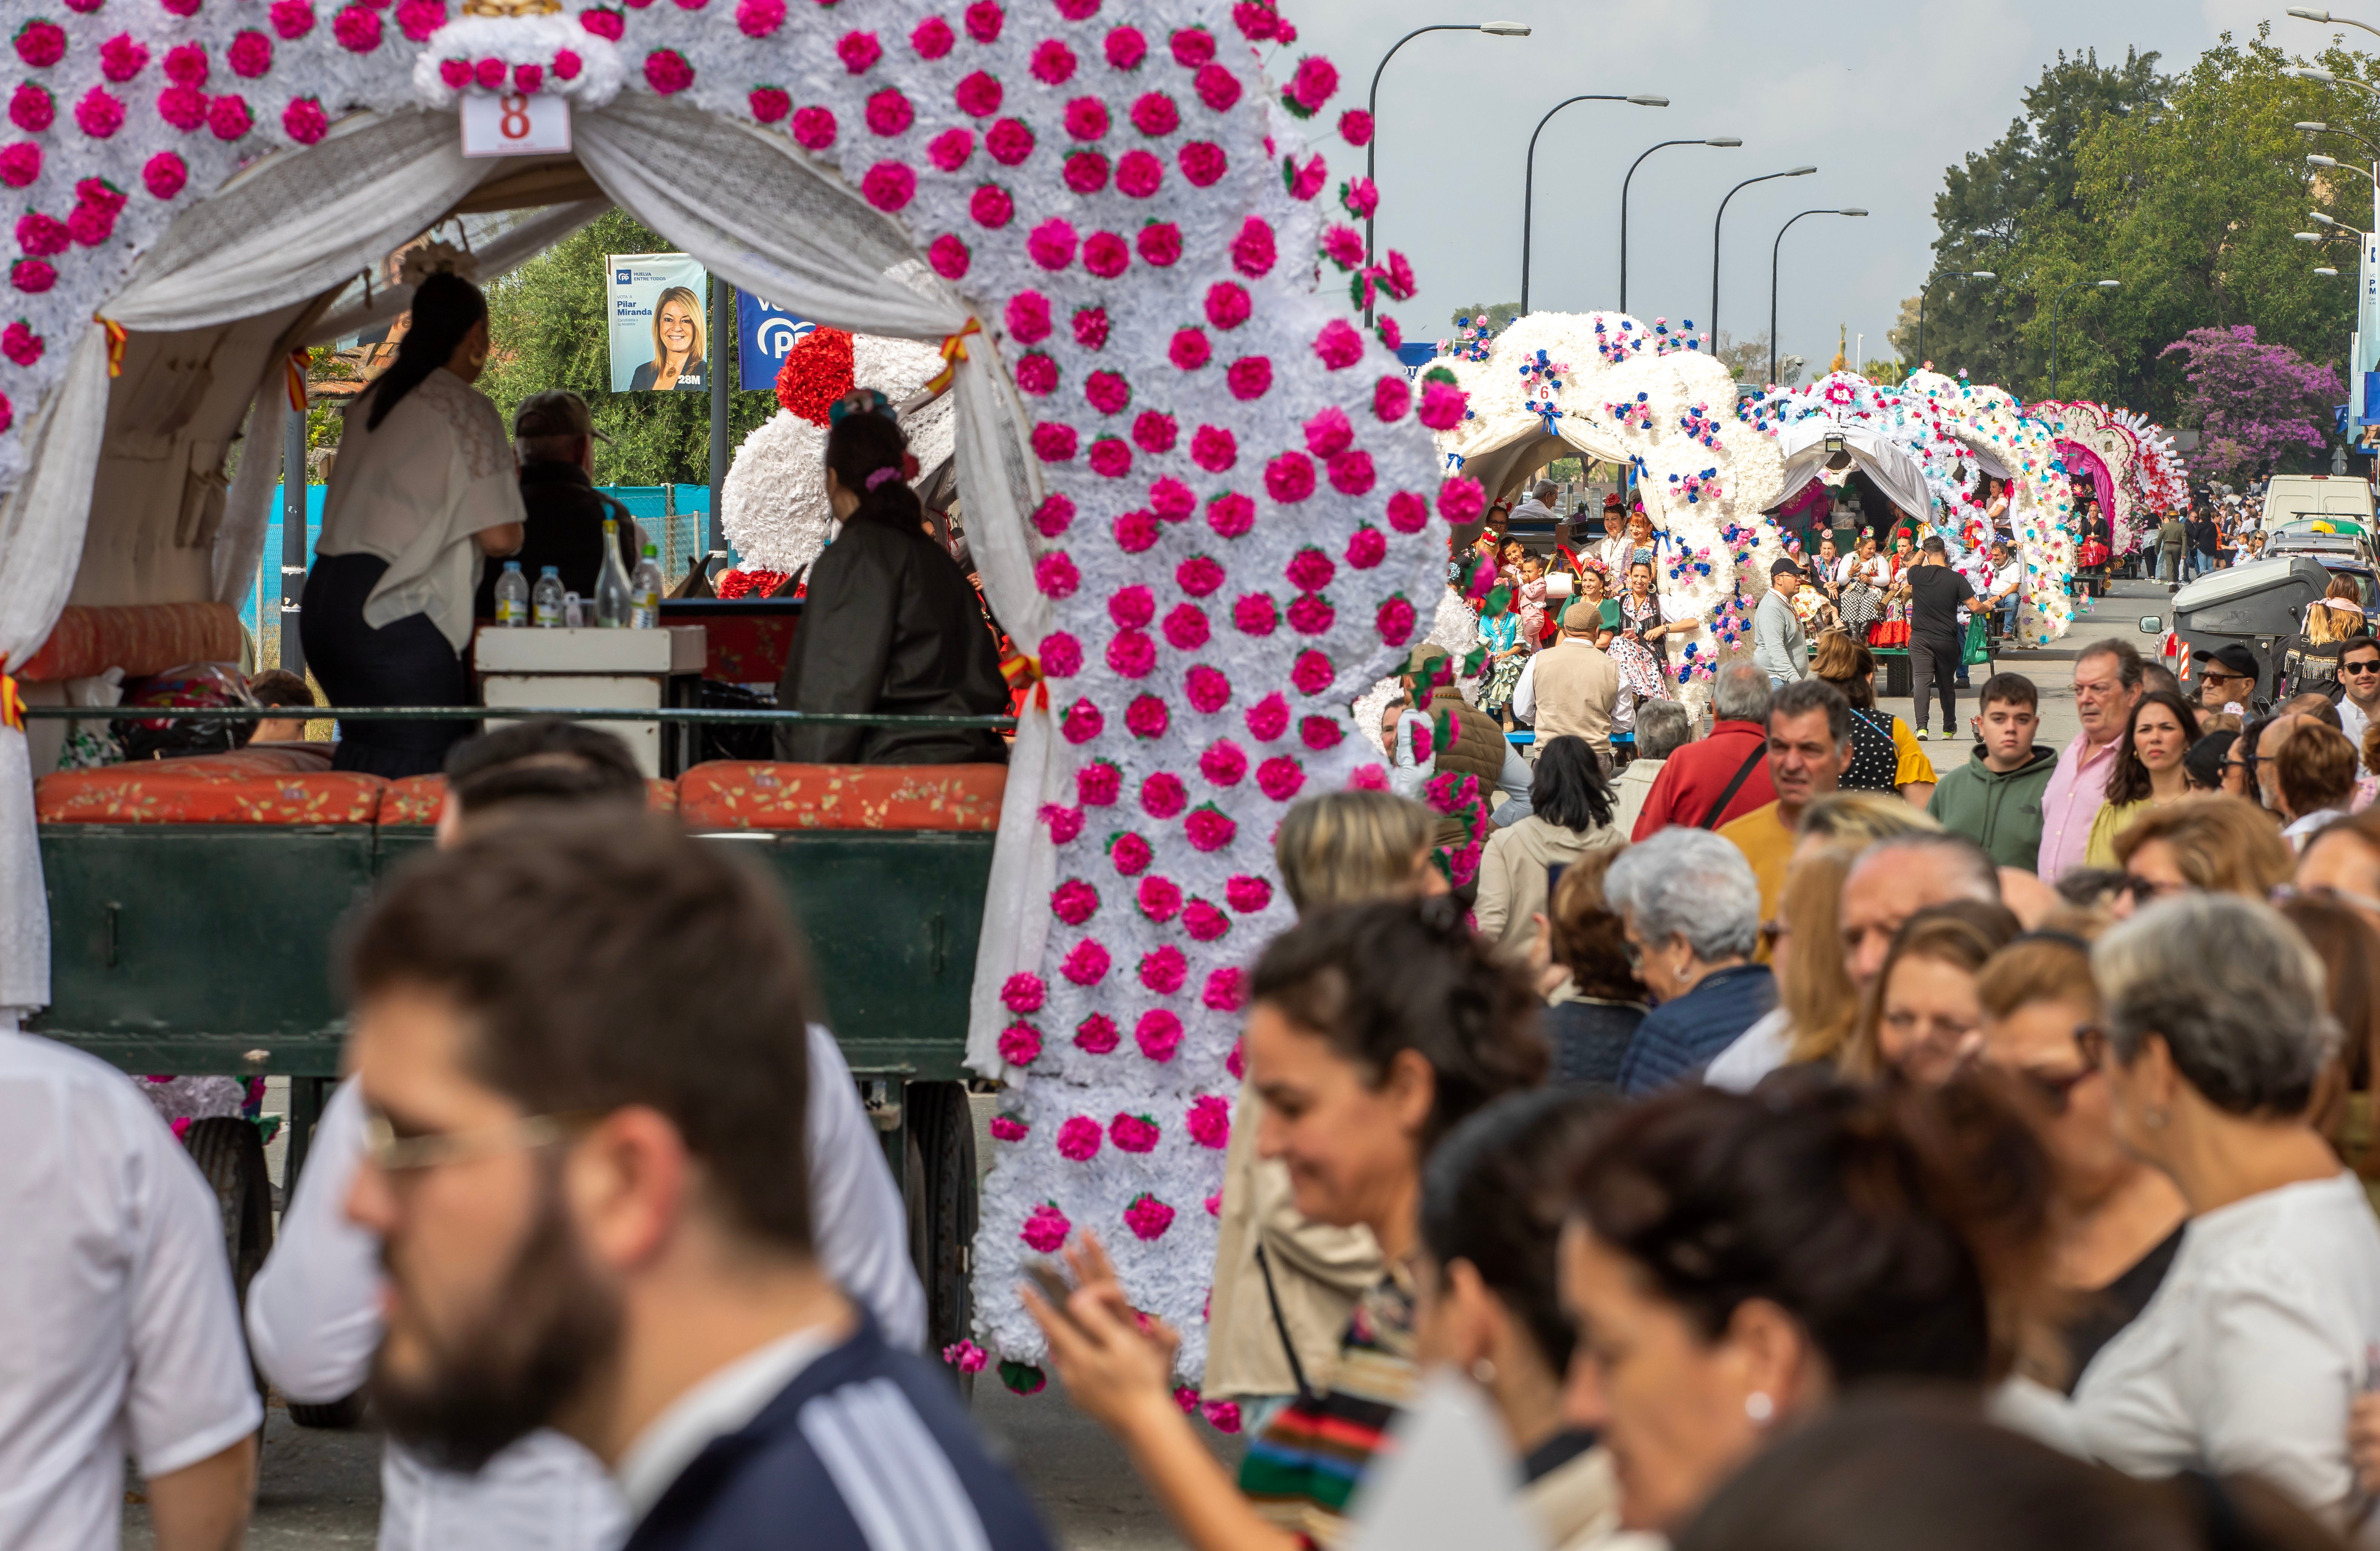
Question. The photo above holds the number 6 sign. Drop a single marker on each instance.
(514, 125)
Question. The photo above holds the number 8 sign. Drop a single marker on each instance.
(514, 125)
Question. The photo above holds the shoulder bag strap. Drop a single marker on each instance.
(1710, 820)
(1305, 1392)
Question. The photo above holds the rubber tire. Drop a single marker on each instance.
(1896, 677)
(230, 1153)
(940, 1195)
(337, 1416)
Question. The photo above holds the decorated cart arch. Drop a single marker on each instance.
(1899, 441)
(1552, 385)
(1197, 495)
(2127, 461)
(2006, 443)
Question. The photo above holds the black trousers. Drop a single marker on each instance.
(1932, 664)
(410, 662)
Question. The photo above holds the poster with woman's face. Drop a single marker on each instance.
(660, 328)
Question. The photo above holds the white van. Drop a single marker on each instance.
(2299, 497)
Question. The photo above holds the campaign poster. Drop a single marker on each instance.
(765, 333)
(659, 323)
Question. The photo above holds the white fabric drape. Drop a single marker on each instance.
(501, 256)
(761, 216)
(1893, 467)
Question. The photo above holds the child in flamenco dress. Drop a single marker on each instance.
(1533, 601)
(1499, 633)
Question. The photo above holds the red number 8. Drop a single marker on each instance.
(514, 125)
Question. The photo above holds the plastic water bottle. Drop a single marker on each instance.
(546, 601)
(645, 591)
(612, 591)
(511, 597)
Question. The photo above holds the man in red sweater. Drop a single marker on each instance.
(1723, 776)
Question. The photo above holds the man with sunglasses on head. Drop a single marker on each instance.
(313, 1312)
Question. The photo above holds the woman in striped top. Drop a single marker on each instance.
(1375, 1029)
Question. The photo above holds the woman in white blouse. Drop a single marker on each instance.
(424, 487)
(2268, 1326)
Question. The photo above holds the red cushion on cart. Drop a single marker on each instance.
(732, 794)
(168, 791)
(417, 799)
(141, 639)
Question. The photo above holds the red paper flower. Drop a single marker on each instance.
(1130, 854)
(1045, 1230)
(164, 175)
(1105, 254)
(1160, 243)
(1355, 127)
(1097, 1034)
(20, 163)
(1198, 576)
(1154, 113)
(1247, 893)
(931, 38)
(357, 28)
(1086, 172)
(91, 224)
(1086, 963)
(1066, 823)
(817, 372)
(1408, 513)
(1226, 992)
(528, 79)
(1159, 898)
(1217, 86)
(1087, 118)
(1223, 763)
(814, 127)
(1097, 785)
(1209, 828)
(1078, 1139)
(990, 206)
(1187, 630)
(1256, 614)
(100, 114)
(1207, 689)
(983, 20)
(32, 108)
(1252, 250)
(1311, 87)
(667, 73)
(889, 185)
(1009, 142)
(1054, 442)
(1003, 1127)
(1022, 992)
(1250, 377)
(949, 256)
(1366, 547)
(32, 275)
(1056, 575)
(1152, 432)
(40, 235)
(602, 21)
(1392, 397)
(889, 113)
(1052, 62)
(41, 44)
(1052, 244)
(1289, 477)
(859, 50)
(1146, 717)
(1203, 163)
(1269, 718)
(1125, 48)
(1189, 349)
(1461, 500)
(1082, 723)
(1231, 514)
(1351, 473)
(1062, 654)
(769, 104)
(950, 150)
(1029, 317)
(1138, 174)
(1192, 47)
(759, 18)
(1442, 406)
(20, 344)
(1158, 1034)
(1313, 672)
(1280, 778)
(1134, 1133)
(1162, 795)
(1053, 516)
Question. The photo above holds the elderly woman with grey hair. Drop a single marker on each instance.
(1690, 907)
(2268, 1326)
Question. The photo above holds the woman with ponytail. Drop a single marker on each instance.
(888, 623)
(423, 489)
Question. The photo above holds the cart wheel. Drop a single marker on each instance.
(940, 1195)
(230, 1153)
(336, 1416)
(1896, 677)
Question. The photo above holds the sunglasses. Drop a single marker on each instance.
(2055, 1089)
(2370, 664)
(2146, 891)
(2346, 897)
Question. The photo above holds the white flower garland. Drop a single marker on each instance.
(1984, 416)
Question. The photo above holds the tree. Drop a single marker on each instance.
(1498, 316)
(1885, 374)
(2251, 404)
(1745, 360)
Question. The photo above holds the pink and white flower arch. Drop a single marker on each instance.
(1227, 516)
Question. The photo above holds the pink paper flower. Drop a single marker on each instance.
(1186, 630)
(1355, 127)
(1062, 654)
(1152, 432)
(1052, 244)
(164, 175)
(1052, 62)
(1255, 615)
(1132, 1133)
(1097, 1034)
(1105, 254)
(357, 28)
(228, 118)
(1223, 1416)
(1394, 620)
(667, 73)
(42, 235)
(1147, 1217)
(1159, 898)
(186, 65)
(91, 224)
(1203, 163)
(1231, 514)
(41, 44)
(1328, 434)
(20, 163)
(1207, 689)
(1158, 1034)
(1136, 533)
(1321, 732)
(1087, 118)
(1086, 963)
(1339, 345)
(889, 113)
(1130, 854)
(1132, 655)
(1159, 244)
(1023, 992)
(965, 1356)
(1368, 778)
(304, 121)
(124, 56)
(759, 18)
(814, 127)
(249, 54)
(1029, 317)
(599, 21)
(1214, 448)
(977, 95)
(1250, 377)
(1066, 823)
(1110, 458)
(859, 50)
(290, 18)
(1351, 473)
(983, 20)
(1162, 795)
(1441, 405)
(1090, 326)
(1056, 574)
(1289, 477)
(1226, 991)
(1312, 673)
(1361, 197)
(1461, 500)
(1198, 576)
(1209, 828)
(991, 206)
(1097, 785)
(1217, 86)
(1408, 513)
(1311, 613)
(1171, 498)
(1019, 1043)
(20, 344)
(1247, 893)
(1146, 717)
(1311, 86)
(888, 185)
(528, 79)
(1053, 516)
(1192, 47)
(1210, 1121)
(1045, 1230)
(1392, 397)
(100, 114)
(1257, 19)
(1125, 48)
(32, 108)
(1269, 718)
(931, 38)
(1009, 142)
(1079, 1138)
(1053, 442)
(1223, 763)
(1008, 1128)
(1154, 113)
(1189, 349)
(1281, 776)
(1086, 172)
(1078, 10)
(1344, 246)
(1074, 901)
(1253, 252)
(949, 256)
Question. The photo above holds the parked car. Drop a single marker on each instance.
(2261, 606)
(2297, 497)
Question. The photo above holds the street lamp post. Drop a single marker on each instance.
(1729, 141)
(2330, 20)
(1946, 274)
(1372, 102)
(2057, 314)
(1712, 321)
(1773, 250)
(1529, 176)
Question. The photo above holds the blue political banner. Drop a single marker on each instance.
(764, 334)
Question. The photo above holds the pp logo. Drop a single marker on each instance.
(779, 334)
(619, 278)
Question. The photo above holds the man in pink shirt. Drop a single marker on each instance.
(2106, 685)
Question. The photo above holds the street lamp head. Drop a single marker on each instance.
(1648, 100)
(2307, 237)
(2307, 72)
(2110, 285)
(2323, 270)
(1982, 274)
(1722, 140)
(2311, 126)
(2321, 220)
(1853, 212)
(1798, 172)
(2314, 160)
(2303, 15)
(1505, 29)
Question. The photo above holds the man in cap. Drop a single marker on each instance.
(1570, 688)
(554, 439)
(1778, 644)
(2227, 678)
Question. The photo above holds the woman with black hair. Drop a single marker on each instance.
(423, 490)
(1569, 814)
(890, 623)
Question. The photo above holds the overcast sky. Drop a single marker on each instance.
(1882, 95)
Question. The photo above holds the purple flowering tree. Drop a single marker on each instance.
(2249, 403)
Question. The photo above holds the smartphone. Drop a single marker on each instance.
(1554, 871)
